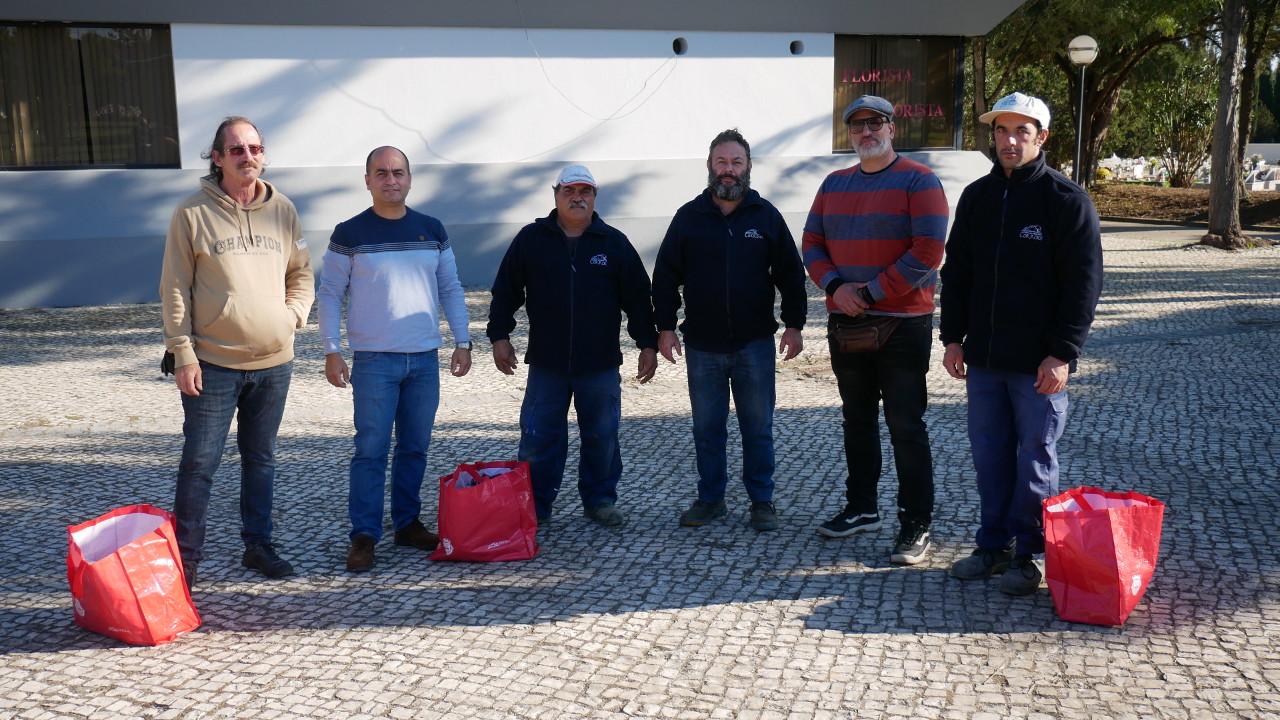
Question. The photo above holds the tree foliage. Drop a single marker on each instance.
(1174, 126)
(1036, 36)
(1259, 40)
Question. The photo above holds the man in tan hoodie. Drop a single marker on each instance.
(235, 285)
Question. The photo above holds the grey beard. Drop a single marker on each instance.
(729, 192)
(872, 153)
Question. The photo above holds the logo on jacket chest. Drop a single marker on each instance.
(753, 233)
(1031, 232)
(600, 259)
(254, 245)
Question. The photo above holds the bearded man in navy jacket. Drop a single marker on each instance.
(727, 251)
(1022, 277)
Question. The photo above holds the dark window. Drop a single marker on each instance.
(74, 96)
(918, 75)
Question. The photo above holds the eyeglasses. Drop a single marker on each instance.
(238, 150)
(873, 124)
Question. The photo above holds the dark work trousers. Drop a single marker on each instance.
(896, 374)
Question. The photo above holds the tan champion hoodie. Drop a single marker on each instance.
(236, 281)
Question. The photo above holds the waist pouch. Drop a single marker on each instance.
(864, 333)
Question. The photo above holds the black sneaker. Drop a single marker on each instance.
(701, 513)
(911, 546)
(850, 522)
(763, 516)
(983, 563)
(264, 559)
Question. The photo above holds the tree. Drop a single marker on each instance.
(1177, 126)
(1262, 129)
(1127, 31)
(1224, 184)
(1259, 44)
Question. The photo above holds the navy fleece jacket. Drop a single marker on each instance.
(728, 267)
(574, 300)
(1023, 269)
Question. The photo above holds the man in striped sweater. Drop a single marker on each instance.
(873, 241)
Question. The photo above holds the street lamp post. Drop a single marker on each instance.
(1082, 50)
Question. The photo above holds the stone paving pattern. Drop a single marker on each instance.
(1176, 398)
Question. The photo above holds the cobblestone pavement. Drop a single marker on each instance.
(1177, 398)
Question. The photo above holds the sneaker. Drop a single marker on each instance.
(1024, 576)
(911, 546)
(415, 534)
(189, 573)
(264, 559)
(700, 513)
(849, 523)
(983, 563)
(606, 514)
(361, 558)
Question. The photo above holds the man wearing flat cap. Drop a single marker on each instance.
(1022, 279)
(575, 276)
(873, 242)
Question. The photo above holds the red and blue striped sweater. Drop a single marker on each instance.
(885, 228)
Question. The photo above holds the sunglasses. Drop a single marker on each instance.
(238, 150)
(873, 123)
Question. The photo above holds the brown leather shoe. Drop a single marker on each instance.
(415, 534)
(360, 558)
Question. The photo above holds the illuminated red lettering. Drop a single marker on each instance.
(870, 75)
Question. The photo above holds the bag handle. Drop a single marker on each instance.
(1078, 494)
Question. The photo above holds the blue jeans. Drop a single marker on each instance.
(896, 375)
(259, 397)
(544, 434)
(748, 374)
(1014, 432)
(400, 390)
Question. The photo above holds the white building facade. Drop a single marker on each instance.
(488, 101)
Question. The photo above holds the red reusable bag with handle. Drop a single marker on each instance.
(1100, 552)
(486, 513)
(126, 577)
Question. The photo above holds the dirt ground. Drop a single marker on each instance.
(1124, 200)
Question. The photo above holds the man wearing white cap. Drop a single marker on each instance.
(1022, 277)
(575, 276)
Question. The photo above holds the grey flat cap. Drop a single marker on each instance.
(877, 105)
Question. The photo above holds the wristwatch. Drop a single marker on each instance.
(866, 296)
(465, 345)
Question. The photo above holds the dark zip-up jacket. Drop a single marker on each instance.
(1023, 269)
(574, 300)
(728, 266)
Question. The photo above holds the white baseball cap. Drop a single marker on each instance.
(1032, 107)
(576, 175)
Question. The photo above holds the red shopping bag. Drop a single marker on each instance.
(126, 577)
(486, 513)
(1100, 552)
